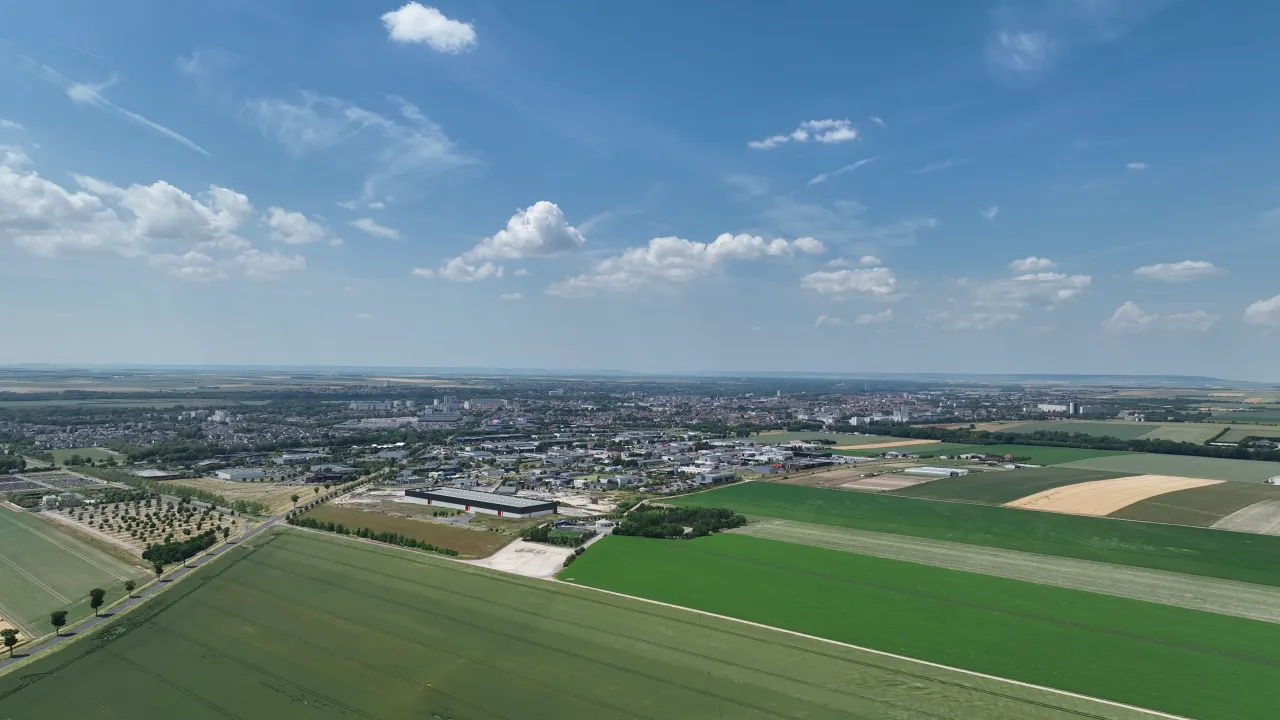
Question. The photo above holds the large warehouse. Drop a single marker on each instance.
(483, 502)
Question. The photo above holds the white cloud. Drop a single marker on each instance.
(817, 179)
(1264, 312)
(92, 95)
(934, 167)
(363, 316)
(1020, 52)
(823, 131)
(1032, 264)
(10, 125)
(671, 259)
(521, 272)
(395, 151)
(415, 23)
(829, 321)
(271, 265)
(841, 221)
(193, 266)
(878, 121)
(511, 296)
(294, 228)
(1184, 271)
(990, 212)
(459, 270)
(373, 227)
(809, 246)
(878, 282)
(869, 261)
(1131, 319)
(883, 316)
(864, 261)
(539, 230)
(1044, 289)
(1136, 166)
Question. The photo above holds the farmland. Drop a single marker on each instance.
(999, 487)
(1120, 430)
(61, 455)
(274, 495)
(44, 568)
(1201, 506)
(777, 437)
(1183, 466)
(1248, 416)
(470, 543)
(1196, 664)
(1036, 454)
(1188, 550)
(305, 625)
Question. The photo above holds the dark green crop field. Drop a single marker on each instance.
(1186, 662)
(1202, 506)
(1191, 550)
(997, 488)
(310, 626)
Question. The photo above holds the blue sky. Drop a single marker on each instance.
(1040, 186)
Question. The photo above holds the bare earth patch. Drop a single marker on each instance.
(886, 482)
(1103, 497)
(886, 444)
(1263, 517)
(528, 559)
(1225, 597)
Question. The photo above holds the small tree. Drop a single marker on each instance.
(159, 569)
(57, 619)
(129, 587)
(10, 639)
(226, 534)
(294, 498)
(315, 490)
(96, 597)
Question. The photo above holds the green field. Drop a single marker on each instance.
(306, 625)
(1119, 429)
(1202, 506)
(1208, 468)
(96, 454)
(1189, 550)
(770, 438)
(997, 488)
(1196, 664)
(1036, 454)
(1248, 416)
(1239, 432)
(44, 568)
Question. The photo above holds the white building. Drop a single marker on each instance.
(1052, 408)
(239, 474)
(935, 471)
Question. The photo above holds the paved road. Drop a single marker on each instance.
(138, 597)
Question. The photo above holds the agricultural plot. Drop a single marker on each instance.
(1240, 432)
(1183, 466)
(775, 437)
(1202, 506)
(1248, 416)
(1198, 433)
(1103, 497)
(134, 525)
(470, 543)
(1000, 487)
(275, 496)
(61, 455)
(305, 625)
(1263, 517)
(1034, 454)
(43, 568)
(1226, 597)
(1119, 429)
(1187, 550)
(1194, 664)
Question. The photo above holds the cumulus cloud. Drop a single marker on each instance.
(294, 228)
(877, 282)
(674, 260)
(372, 227)
(1184, 271)
(809, 246)
(823, 131)
(416, 23)
(990, 212)
(459, 270)
(192, 237)
(393, 152)
(1032, 264)
(1131, 319)
(539, 230)
(830, 321)
(1264, 312)
(1044, 289)
(883, 316)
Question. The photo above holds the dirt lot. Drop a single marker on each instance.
(273, 495)
(1103, 497)
(467, 540)
(840, 474)
(1226, 597)
(528, 559)
(887, 482)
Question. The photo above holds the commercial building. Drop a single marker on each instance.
(239, 474)
(935, 471)
(483, 502)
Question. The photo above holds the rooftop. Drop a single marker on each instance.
(459, 494)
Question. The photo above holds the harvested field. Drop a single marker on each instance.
(1103, 497)
(1191, 663)
(885, 444)
(1202, 506)
(1246, 600)
(307, 625)
(1119, 429)
(839, 475)
(1187, 550)
(470, 543)
(1001, 486)
(1035, 454)
(274, 495)
(1182, 466)
(1184, 432)
(781, 436)
(883, 483)
(1263, 517)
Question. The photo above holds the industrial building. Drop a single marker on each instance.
(936, 471)
(239, 474)
(483, 502)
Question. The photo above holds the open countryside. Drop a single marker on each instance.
(306, 625)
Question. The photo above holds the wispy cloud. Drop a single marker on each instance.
(875, 119)
(92, 95)
(818, 179)
(10, 125)
(1136, 166)
(370, 226)
(823, 131)
(1028, 37)
(1021, 52)
(990, 212)
(941, 165)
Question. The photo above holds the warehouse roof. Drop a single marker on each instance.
(459, 494)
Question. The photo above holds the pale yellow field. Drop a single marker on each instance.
(893, 444)
(1103, 497)
(273, 495)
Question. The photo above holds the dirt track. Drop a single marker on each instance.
(1103, 497)
(1263, 517)
(1225, 597)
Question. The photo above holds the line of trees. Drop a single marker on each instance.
(671, 522)
(391, 538)
(1075, 440)
(180, 551)
(546, 533)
